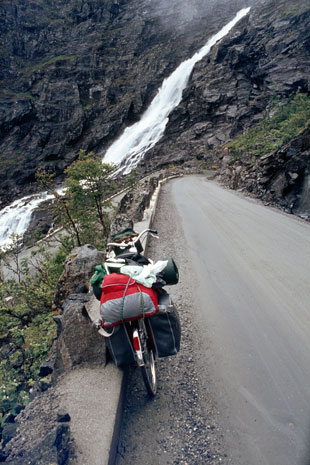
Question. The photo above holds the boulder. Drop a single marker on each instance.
(78, 341)
(79, 268)
(55, 448)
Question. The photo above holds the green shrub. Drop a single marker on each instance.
(27, 328)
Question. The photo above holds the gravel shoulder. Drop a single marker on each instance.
(180, 425)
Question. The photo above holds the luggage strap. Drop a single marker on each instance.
(123, 300)
(141, 300)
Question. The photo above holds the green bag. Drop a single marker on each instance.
(96, 280)
(170, 273)
(109, 266)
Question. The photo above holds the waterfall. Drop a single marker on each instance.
(135, 141)
(16, 217)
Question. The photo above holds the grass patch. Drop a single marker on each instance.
(15, 95)
(289, 118)
(295, 8)
(24, 95)
(51, 61)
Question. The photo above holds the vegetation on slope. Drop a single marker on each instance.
(27, 328)
(26, 324)
(285, 121)
(83, 210)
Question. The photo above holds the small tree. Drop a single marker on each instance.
(132, 178)
(60, 206)
(83, 209)
(10, 258)
(89, 187)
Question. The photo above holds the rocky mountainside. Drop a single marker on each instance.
(74, 73)
(266, 55)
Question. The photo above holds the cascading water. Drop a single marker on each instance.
(135, 141)
(16, 217)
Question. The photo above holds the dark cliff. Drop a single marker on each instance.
(74, 73)
(266, 55)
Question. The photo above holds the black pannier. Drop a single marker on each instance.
(166, 327)
(166, 331)
(120, 347)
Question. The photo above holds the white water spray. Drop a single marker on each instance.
(130, 148)
(16, 217)
(137, 139)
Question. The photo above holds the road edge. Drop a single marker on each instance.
(147, 221)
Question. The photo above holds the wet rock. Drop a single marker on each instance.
(40, 224)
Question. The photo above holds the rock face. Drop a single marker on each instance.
(267, 53)
(229, 91)
(73, 73)
(281, 178)
(137, 200)
(79, 268)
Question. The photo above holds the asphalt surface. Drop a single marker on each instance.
(179, 425)
(239, 391)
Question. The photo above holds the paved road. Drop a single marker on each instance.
(179, 426)
(253, 265)
(244, 297)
